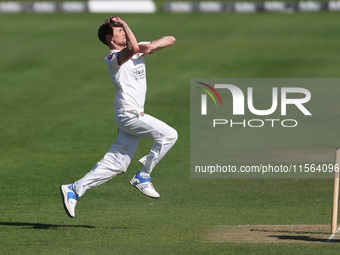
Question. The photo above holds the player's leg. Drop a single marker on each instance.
(115, 162)
(164, 138)
(163, 141)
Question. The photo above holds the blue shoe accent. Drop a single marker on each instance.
(71, 195)
(141, 179)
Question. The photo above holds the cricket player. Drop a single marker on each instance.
(126, 66)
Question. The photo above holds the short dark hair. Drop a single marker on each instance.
(103, 31)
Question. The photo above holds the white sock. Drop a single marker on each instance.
(143, 173)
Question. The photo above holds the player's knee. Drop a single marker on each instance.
(124, 164)
(118, 165)
(173, 135)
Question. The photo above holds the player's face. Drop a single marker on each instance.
(119, 36)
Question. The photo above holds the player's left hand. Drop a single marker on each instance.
(146, 49)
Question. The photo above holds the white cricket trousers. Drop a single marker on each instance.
(132, 125)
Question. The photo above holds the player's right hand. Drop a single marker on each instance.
(116, 22)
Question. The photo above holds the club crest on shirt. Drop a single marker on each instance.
(138, 55)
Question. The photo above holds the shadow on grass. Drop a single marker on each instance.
(305, 239)
(287, 231)
(298, 235)
(49, 226)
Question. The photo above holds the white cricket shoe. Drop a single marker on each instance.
(69, 199)
(144, 185)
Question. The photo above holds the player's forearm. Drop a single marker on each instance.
(162, 43)
(131, 42)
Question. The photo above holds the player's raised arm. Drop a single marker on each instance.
(156, 45)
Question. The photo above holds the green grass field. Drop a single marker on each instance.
(56, 122)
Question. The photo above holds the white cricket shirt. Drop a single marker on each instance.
(129, 80)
